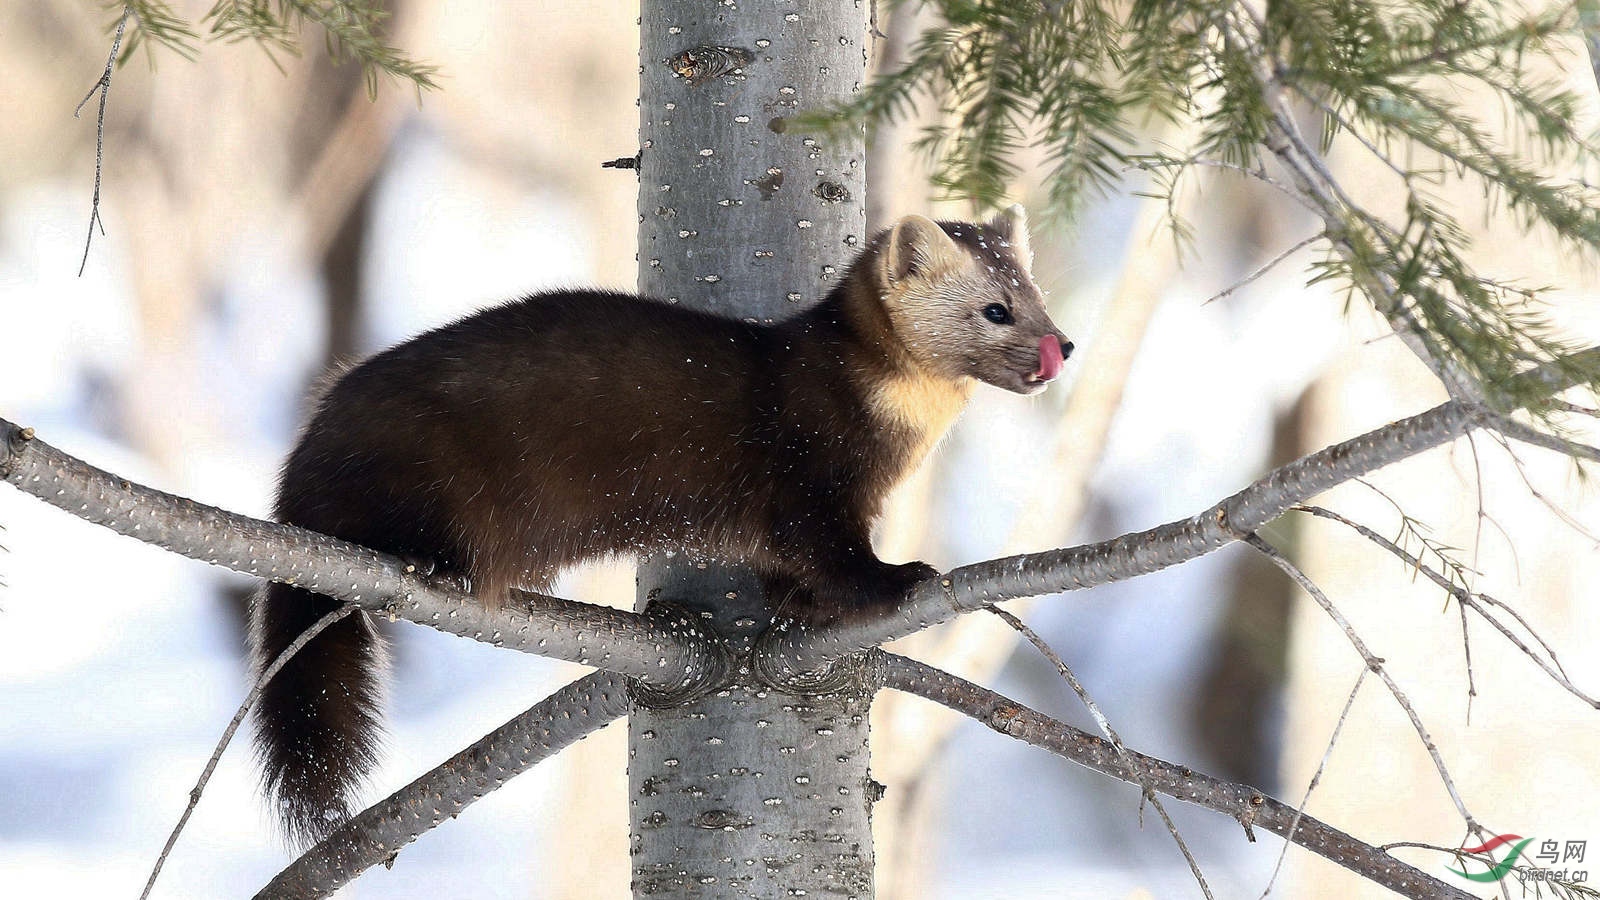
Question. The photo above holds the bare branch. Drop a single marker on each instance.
(1468, 599)
(233, 726)
(1147, 792)
(792, 649)
(670, 654)
(666, 652)
(1373, 663)
(1527, 434)
(378, 834)
(1245, 804)
(103, 87)
(1566, 518)
(1264, 268)
(1316, 778)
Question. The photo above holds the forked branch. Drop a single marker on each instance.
(669, 652)
(1250, 807)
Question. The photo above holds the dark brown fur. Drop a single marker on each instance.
(516, 442)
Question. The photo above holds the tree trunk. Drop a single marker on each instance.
(750, 792)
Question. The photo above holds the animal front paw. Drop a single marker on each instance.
(907, 575)
(872, 590)
(892, 583)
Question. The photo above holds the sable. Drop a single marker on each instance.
(516, 442)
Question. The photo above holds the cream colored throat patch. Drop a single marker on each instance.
(924, 404)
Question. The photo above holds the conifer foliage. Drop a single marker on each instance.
(1078, 80)
(352, 30)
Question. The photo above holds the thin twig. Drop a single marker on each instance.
(1264, 269)
(233, 726)
(103, 86)
(1150, 165)
(1466, 651)
(1527, 434)
(1316, 778)
(1246, 805)
(1555, 508)
(1350, 129)
(1570, 889)
(1373, 662)
(1146, 790)
(1477, 484)
(1574, 408)
(1468, 599)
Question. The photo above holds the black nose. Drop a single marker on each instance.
(1066, 348)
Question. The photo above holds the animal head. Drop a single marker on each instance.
(963, 303)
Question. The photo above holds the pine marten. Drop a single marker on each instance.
(509, 445)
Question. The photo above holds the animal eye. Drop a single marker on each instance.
(997, 313)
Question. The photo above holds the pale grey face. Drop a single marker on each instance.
(979, 315)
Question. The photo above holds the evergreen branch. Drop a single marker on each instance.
(351, 29)
(791, 650)
(1439, 54)
(154, 22)
(1250, 807)
(665, 652)
(1365, 266)
(1457, 323)
(378, 834)
(1469, 337)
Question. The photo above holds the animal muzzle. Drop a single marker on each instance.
(1053, 353)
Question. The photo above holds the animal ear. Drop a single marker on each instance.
(917, 245)
(1012, 225)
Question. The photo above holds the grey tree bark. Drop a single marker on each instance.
(751, 791)
(669, 654)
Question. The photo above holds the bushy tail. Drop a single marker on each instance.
(317, 721)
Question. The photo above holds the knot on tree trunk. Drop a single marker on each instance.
(710, 667)
(847, 673)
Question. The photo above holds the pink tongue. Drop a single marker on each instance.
(1050, 360)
